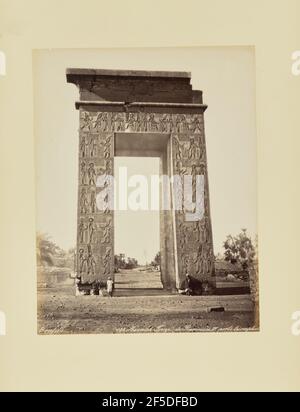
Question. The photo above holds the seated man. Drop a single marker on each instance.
(190, 286)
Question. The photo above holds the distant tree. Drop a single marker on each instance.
(131, 263)
(46, 250)
(120, 262)
(157, 259)
(239, 249)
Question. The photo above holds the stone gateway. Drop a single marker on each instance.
(142, 113)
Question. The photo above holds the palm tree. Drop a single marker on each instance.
(46, 250)
(239, 249)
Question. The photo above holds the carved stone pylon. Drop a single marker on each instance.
(161, 109)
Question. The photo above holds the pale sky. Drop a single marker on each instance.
(137, 232)
(227, 78)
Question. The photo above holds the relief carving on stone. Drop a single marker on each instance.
(93, 146)
(88, 146)
(84, 146)
(92, 175)
(93, 201)
(87, 231)
(83, 201)
(193, 237)
(107, 261)
(83, 227)
(106, 146)
(94, 226)
(85, 121)
(83, 173)
(91, 262)
(141, 122)
(189, 149)
(87, 261)
(96, 158)
(107, 231)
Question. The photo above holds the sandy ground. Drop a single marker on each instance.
(139, 310)
(139, 278)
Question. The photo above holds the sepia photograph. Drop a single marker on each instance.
(149, 203)
(146, 190)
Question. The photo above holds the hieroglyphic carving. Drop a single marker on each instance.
(185, 259)
(88, 145)
(195, 250)
(98, 122)
(85, 121)
(179, 149)
(107, 261)
(95, 230)
(106, 145)
(91, 174)
(196, 124)
(106, 231)
(87, 261)
(96, 157)
(141, 121)
(93, 145)
(181, 170)
(82, 231)
(91, 230)
(189, 150)
(83, 173)
(84, 203)
(91, 262)
(84, 146)
(195, 236)
(193, 149)
(82, 259)
(87, 231)
(108, 168)
(117, 122)
(93, 201)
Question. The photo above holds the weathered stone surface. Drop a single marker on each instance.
(163, 119)
(133, 85)
(95, 257)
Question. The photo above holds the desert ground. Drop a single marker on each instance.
(139, 304)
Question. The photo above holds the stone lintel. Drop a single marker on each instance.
(73, 74)
(134, 86)
(134, 106)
